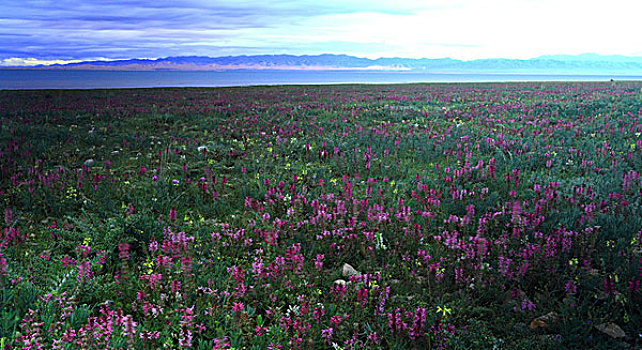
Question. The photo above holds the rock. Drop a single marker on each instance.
(611, 329)
(339, 282)
(543, 321)
(201, 148)
(89, 162)
(394, 281)
(347, 271)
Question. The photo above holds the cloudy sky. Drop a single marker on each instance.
(36, 31)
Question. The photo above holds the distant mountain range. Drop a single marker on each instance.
(558, 64)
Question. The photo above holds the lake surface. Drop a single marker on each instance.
(57, 79)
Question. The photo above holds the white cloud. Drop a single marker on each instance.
(16, 62)
(463, 29)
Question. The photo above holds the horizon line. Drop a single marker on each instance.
(32, 62)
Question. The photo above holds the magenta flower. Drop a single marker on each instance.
(172, 215)
(237, 307)
(326, 335)
(123, 251)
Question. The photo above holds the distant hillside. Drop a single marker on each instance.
(560, 64)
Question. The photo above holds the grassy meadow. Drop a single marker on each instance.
(423, 216)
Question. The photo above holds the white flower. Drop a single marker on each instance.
(379, 241)
(294, 309)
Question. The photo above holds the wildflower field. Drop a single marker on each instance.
(460, 216)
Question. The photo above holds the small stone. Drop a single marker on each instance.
(89, 162)
(201, 148)
(339, 282)
(611, 329)
(347, 271)
(543, 321)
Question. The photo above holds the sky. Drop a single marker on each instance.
(44, 31)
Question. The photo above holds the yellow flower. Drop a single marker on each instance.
(149, 264)
(71, 192)
(444, 311)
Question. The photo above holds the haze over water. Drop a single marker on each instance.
(52, 79)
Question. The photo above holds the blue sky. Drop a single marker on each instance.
(37, 31)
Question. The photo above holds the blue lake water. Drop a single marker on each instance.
(12, 79)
